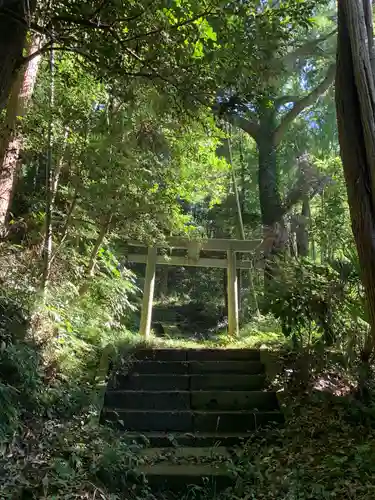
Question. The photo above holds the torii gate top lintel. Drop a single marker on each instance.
(211, 244)
(194, 248)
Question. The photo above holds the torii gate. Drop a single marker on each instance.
(192, 258)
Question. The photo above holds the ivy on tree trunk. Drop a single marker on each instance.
(269, 195)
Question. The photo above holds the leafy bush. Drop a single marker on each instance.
(29, 390)
(314, 301)
(14, 319)
(21, 386)
(75, 459)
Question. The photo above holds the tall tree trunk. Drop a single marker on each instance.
(164, 279)
(52, 184)
(275, 234)
(65, 229)
(323, 237)
(90, 271)
(313, 247)
(59, 165)
(269, 196)
(103, 232)
(367, 11)
(49, 182)
(15, 18)
(302, 232)
(268, 135)
(355, 102)
(11, 139)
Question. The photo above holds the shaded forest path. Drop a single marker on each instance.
(191, 407)
(191, 321)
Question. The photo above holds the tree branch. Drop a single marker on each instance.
(248, 126)
(309, 183)
(87, 23)
(138, 15)
(47, 46)
(99, 8)
(172, 26)
(97, 25)
(301, 189)
(304, 103)
(90, 21)
(77, 50)
(286, 99)
(307, 49)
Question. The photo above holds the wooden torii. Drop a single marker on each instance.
(192, 258)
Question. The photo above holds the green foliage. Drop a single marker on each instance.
(14, 317)
(30, 389)
(20, 387)
(67, 460)
(132, 159)
(315, 301)
(84, 325)
(331, 222)
(184, 48)
(320, 454)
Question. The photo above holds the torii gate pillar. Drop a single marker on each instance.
(233, 324)
(148, 292)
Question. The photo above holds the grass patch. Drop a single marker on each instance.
(264, 331)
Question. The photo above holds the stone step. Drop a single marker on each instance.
(148, 367)
(234, 400)
(196, 400)
(223, 355)
(170, 382)
(185, 453)
(189, 439)
(226, 367)
(196, 367)
(174, 477)
(148, 400)
(159, 354)
(196, 354)
(188, 421)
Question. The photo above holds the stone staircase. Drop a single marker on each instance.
(191, 406)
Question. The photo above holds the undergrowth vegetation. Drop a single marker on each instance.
(54, 358)
(52, 446)
(51, 391)
(325, 451)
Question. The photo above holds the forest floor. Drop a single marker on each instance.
(52, 447)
